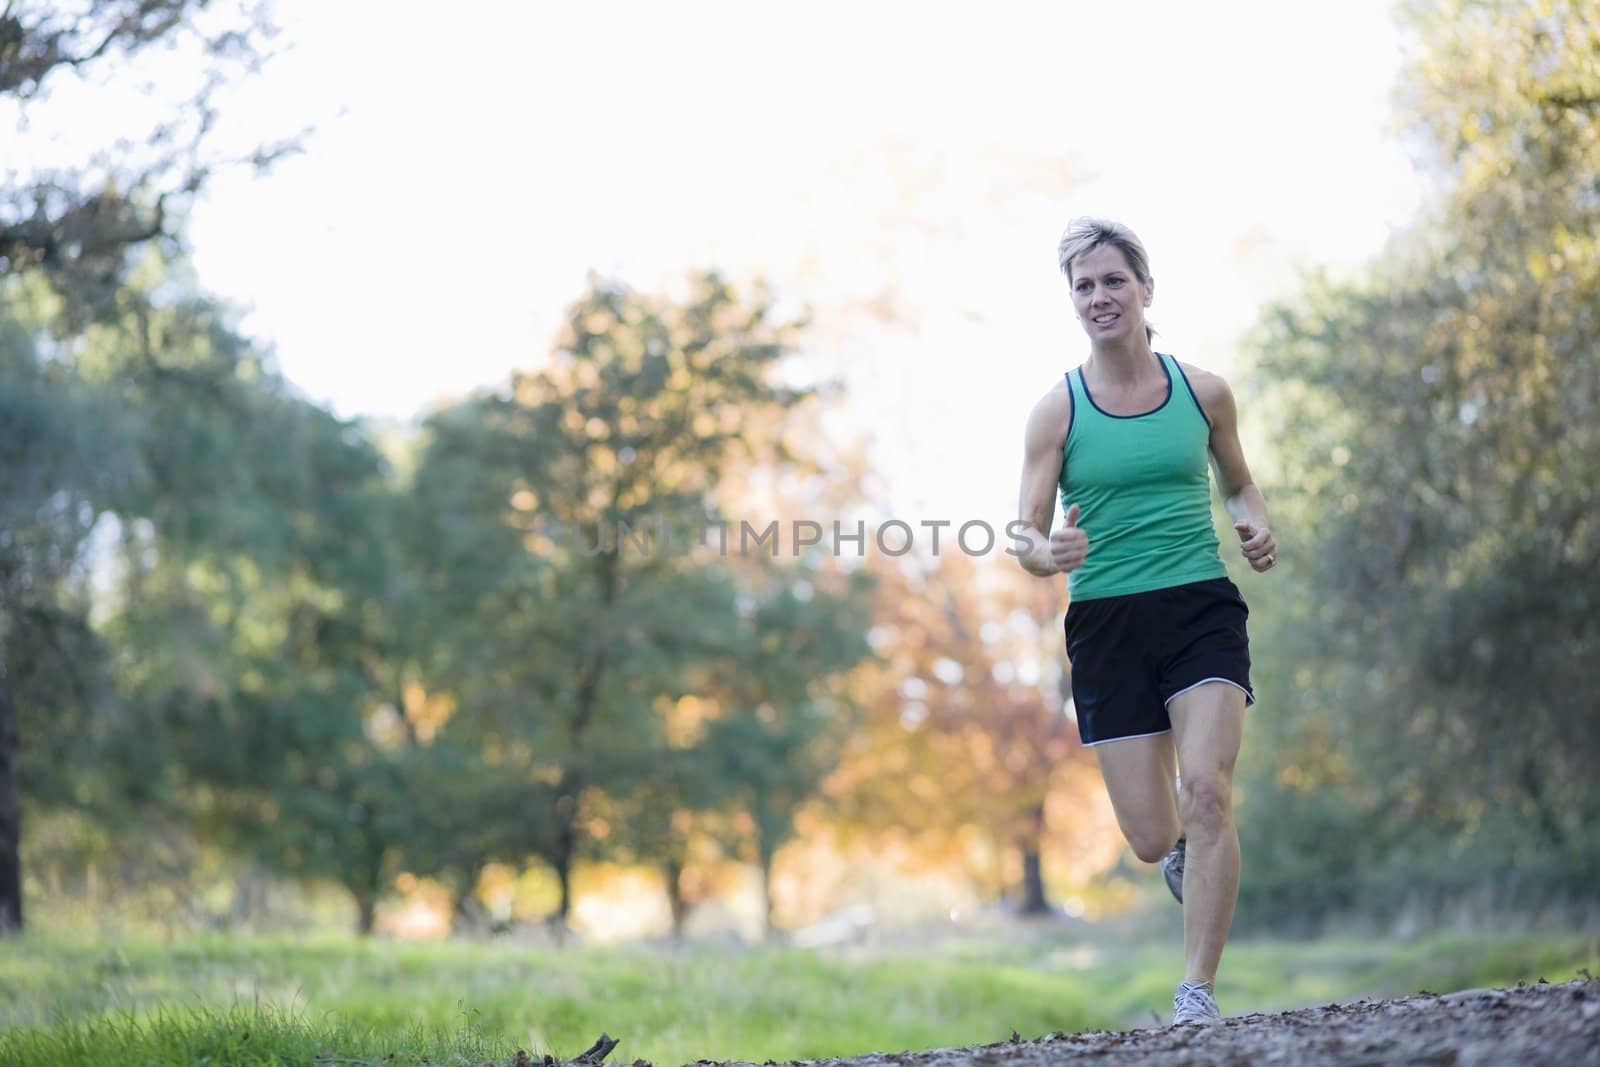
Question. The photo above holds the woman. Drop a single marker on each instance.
(1155, 630)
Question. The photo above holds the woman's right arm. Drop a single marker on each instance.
(1041, 552)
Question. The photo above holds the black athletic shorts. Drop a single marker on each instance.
(1132, 654)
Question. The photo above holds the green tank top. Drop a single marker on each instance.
(1143, 490)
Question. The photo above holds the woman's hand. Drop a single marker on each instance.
(1069, 544)
(1257, 545)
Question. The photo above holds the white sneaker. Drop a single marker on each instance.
(1195, 1004)
(1172, 868)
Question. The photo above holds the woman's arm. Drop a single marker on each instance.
(1046, 552)
(1245, 504)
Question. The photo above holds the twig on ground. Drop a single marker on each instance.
(597, 1052)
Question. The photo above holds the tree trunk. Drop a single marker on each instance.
(569, 790)
(249, 897)
(10, 816)
(366, 914)
(468, 915)
(1528, 776)
(561, 858)
(1033, 901)
(766, 891)
(679, 907)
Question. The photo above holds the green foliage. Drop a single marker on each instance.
(249, 599)
(63, 454)
(785, 725)
(569, 624)
(71, 232)
(265, 635)
(1438, 436)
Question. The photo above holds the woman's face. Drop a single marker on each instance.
(1109, 297)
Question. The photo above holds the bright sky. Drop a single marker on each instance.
(469, 169)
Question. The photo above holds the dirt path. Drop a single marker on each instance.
(1539, 1024)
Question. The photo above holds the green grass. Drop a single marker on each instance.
(258, 1034)
(279, 1000)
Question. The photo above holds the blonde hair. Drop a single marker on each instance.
(1084, 235)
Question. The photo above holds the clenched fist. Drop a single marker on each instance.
(1068, 544)
(1257, 545)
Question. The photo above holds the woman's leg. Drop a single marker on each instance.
(1208, 723)
(1138, 772)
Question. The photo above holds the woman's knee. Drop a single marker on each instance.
(1205, 803)
(1150, 844)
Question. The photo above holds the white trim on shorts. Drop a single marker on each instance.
(1250, 698)
(1129, 737)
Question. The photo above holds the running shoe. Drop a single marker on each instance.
(1195, 1004)
(1172, 869)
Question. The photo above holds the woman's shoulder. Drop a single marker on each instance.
(1210, 390)
(1058, 398)
(1207, 385)
(1052, 413)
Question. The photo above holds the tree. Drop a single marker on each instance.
(62, 454)
(246, 604)
(75, 225)
(76, 222)
(782, 712)
(569, 618)
(665, 814)
(259, 625)
(1438, 434)
(966, 734)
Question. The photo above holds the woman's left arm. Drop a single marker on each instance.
(1245, 504)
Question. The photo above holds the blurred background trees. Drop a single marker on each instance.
(246, 642)
(1437, 432)
(73, 227)
(345, 667)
